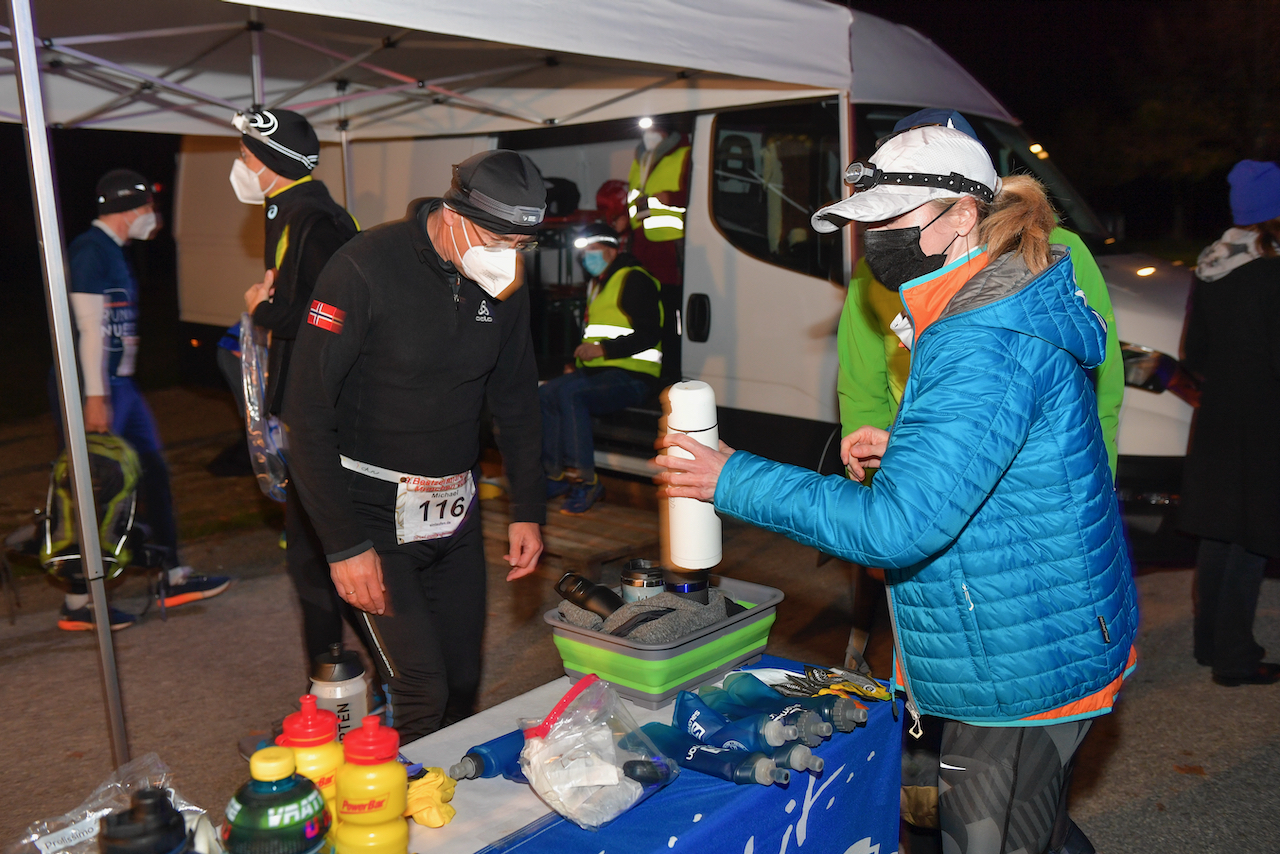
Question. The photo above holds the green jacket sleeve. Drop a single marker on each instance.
(863, 382)
(1109, 377)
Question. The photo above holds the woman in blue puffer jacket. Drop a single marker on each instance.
(993, 512)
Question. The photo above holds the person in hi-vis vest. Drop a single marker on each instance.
(616, 366)
(657, 194)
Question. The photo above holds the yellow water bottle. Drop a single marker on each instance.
(312, 734)
(372, 793)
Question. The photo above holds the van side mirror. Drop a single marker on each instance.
(697, 317)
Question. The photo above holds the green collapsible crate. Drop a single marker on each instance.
(651, 674)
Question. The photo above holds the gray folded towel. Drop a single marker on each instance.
(686, 617)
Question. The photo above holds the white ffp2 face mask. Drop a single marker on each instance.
(245, 183)
(143, 227)
(652, 139)
(492, 269)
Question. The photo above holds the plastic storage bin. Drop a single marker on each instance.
(651, 674)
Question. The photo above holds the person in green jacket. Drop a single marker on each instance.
(874, 363)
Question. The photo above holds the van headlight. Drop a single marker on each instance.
(1158, 372)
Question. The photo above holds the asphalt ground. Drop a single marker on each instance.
(1182, 765)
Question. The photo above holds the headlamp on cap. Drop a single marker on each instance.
(514, 214)
(863, 176)
(588, 240)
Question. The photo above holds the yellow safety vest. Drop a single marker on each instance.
(664, 222)
(606, 320)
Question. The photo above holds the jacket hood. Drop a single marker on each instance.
(1047, 305)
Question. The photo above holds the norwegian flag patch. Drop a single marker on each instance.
(326, 316)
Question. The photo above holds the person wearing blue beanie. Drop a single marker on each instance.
(1233, 464)
(1255, 192)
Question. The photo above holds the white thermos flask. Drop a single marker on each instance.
(693, 527)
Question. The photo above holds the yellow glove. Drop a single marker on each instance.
(429, 797)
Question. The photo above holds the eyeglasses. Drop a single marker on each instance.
(498, 244)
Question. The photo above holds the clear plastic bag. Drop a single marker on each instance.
(266, 437)
(588, 760)
(76, 832)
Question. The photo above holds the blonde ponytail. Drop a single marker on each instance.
(1019, 220)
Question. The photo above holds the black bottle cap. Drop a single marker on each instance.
(151, 826)
(337, 665)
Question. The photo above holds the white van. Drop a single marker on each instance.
(763, 291)
(776, 95)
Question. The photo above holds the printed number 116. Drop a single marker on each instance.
(456, 509)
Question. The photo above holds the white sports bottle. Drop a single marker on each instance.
(337, 680)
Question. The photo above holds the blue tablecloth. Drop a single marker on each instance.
(850, 808)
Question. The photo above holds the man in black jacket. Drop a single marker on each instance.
(305, 226)
(412, 328)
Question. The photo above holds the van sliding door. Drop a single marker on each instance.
(763, 290)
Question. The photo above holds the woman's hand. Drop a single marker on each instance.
(695, 478)
(862, 450)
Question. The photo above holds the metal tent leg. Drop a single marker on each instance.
(49, 234)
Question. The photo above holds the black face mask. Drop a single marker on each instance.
(895, 257)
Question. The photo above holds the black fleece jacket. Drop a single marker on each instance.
(315, 227)
(400, 379)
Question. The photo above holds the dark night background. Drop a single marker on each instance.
(1144, 105)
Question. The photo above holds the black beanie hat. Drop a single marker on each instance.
(283, 140)
(122, 190)
(500, 191)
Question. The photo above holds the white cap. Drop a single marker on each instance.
(932, 150)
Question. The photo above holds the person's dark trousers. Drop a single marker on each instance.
(432, 631)
(1228, 580)
(132, 421)
(569, 401)
(1000, 788)
(323, 611)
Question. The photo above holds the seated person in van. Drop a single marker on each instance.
(616, 366)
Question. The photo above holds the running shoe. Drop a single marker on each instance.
(582, 497)
(81, 619)
(557, 486)
(192, 589)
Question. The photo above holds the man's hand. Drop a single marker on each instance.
(587, 352)
(97, 414)
(262, 290)
(526, 548)
(862, 450)
(695, 478)
(359, 581)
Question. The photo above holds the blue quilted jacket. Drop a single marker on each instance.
(993, 513)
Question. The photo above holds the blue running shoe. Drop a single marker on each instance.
(81, 619)
(557, 486)
(582, 496)
(192, 589)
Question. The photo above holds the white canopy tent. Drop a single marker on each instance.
(428, 68)
(387, 69)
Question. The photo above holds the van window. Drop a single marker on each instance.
(772, 168)
(1011, 151)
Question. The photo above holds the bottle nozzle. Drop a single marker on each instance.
(776, 733)
(847, 714)
(797, 757)
(468, 767)
(766, 771)
(813, 729)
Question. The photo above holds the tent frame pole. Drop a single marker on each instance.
(49, 234)
(255, 57)
(679, 75)
(388, 42)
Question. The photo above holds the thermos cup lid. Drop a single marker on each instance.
(372, 743)
(337, 665)
(693, 407)
(310, 727)
(272, 763)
